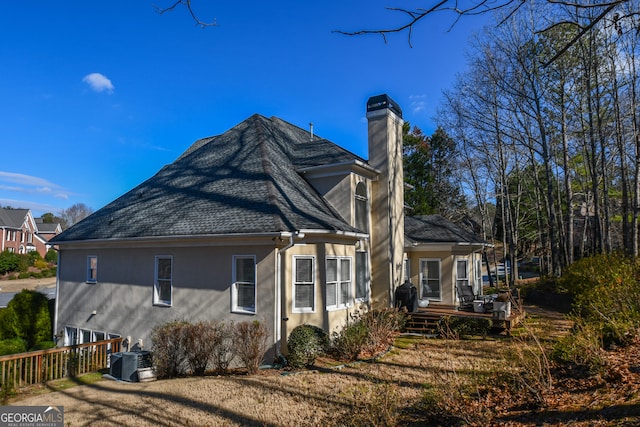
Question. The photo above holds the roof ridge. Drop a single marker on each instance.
(267, 167)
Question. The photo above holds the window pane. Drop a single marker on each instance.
(246, 295)
(332, 270)
(344, 292)
(304, 270)
(331, 294)
(304, 296)
(361, 274)
(345, 269)
(245, 270)
(164, 268)
(164, 290)
(433, 270)
(462, 269)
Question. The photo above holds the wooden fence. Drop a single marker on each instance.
(23, 369)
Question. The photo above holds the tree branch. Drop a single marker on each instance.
(194, 16)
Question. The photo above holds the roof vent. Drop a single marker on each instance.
(380, 102)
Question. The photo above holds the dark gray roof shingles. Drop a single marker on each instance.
(243, 181)
(436, 229)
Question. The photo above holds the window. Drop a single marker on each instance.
(462, 273)
(478, 276)
(406, 270)
(362, 276)
(92, 269)
(338, 282)
(303, 285)
(361, 207)
(162, 289)
(98, 336)
(85, 336)
(70, 336)
(430, 279)
(243, 291)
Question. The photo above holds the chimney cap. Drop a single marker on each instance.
(380, 102)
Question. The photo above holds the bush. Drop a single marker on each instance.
(250, 343)
(367, 333)
(223, 354)
(10, 262)
(12, 346)
(44, 345)
(464, 326)
(168, 349)
(51, 256)
(305, 343)
(27, 317)
(348, 342)
(203, 343)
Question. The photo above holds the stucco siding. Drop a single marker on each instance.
(122, 297)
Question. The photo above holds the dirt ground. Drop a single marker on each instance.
(354, 394)
(16, 285)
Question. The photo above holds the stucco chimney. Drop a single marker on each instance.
(387, 200)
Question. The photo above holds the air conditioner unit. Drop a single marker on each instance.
(132, 361)
(115, 368)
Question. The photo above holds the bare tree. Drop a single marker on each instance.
(613, 10)
(75, 213)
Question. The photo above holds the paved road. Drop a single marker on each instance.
(5, 297)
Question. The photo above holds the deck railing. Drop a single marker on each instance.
(23, 369)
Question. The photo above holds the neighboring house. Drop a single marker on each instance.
(22, 233)
(263, 222)
(439, 254)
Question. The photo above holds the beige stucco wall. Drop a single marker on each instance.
(447, 270)
(123, 294)
(387, 206)
(329, 320)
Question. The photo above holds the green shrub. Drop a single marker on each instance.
(347, 343)
(51, 256)
(168, 349)
(464, 326)
(10, 262)
(250, 343)
(28, 318)
(305, 343)
(12, 346)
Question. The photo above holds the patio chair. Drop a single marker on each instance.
(466, 296)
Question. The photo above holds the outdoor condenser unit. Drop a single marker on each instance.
(125, 365)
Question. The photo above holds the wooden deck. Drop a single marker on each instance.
(425, 320)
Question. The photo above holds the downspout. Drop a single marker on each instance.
(280, 314)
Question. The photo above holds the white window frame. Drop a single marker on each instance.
(92, 278)
(424, 261)
(295, 284)
(340, 283)
(235, 307)
(156, 285)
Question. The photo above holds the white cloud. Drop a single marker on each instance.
(28, 184)
(418, 103)
(98, 82)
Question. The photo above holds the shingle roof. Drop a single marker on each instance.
(243, 181)
(436, 229)
(12, 218)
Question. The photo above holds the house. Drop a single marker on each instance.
(22, 233)
(266, 221)
(439, 254)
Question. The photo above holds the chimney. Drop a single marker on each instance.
(385, 123)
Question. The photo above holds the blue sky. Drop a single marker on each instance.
(95, 97)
